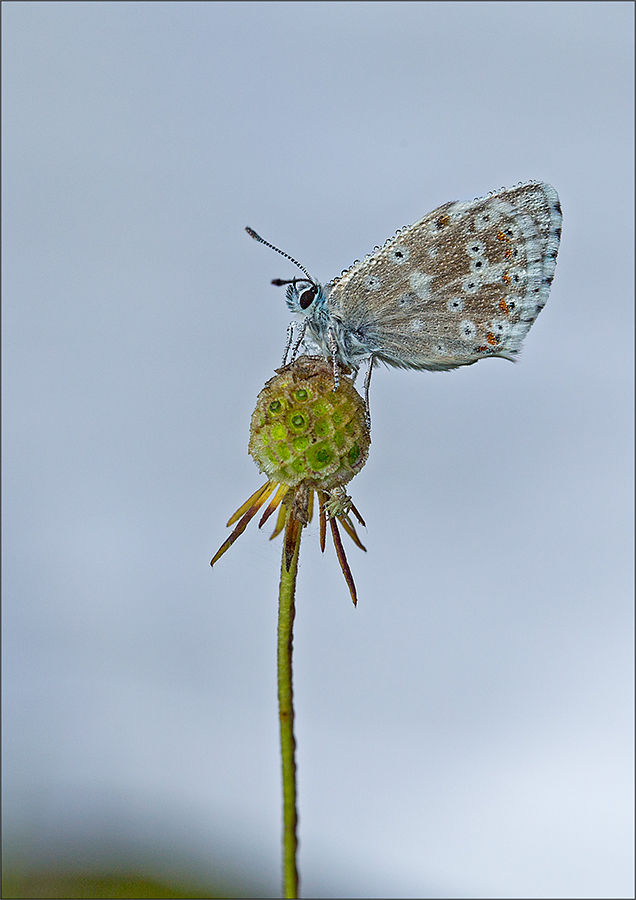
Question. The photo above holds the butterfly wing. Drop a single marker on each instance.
(465, 282)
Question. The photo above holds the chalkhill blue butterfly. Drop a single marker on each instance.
(464, 283)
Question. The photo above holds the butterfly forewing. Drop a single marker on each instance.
(465, 282)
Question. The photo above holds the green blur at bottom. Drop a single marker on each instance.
(73, 885)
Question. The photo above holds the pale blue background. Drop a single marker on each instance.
(467, 731)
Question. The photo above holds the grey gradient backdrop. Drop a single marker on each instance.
(466, 732)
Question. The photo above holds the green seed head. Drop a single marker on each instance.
(303, 430)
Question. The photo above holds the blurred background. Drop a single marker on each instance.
(467, 730)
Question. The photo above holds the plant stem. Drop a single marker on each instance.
(286, 613)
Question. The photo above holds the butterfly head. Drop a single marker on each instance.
(303, 297)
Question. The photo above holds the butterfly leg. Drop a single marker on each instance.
(299, 340)
(334, 359)
(290, 334)
(367, 386)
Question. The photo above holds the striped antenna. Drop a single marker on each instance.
(258, 238)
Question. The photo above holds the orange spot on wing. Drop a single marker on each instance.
(503, 237)
(508, 253)
(505, 277)
(492, 339)
(503, 306)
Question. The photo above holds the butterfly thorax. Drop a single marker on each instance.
(325, 325)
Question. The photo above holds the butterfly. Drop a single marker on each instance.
(464, 283)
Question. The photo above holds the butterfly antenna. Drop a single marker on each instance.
(261, 240)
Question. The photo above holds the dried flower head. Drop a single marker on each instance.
(306, 438)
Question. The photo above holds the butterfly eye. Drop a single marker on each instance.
(307, 297)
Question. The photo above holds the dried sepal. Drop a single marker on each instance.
(242, 525)
(342, 559)
(291, 538)
(349, 527)
(265, 491)
(280, 522)
(357, 514)
(322, 499)
(273, 503)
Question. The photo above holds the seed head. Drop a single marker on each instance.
(304, 431)
(306, 438)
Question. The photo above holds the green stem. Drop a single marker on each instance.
(286, 613)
